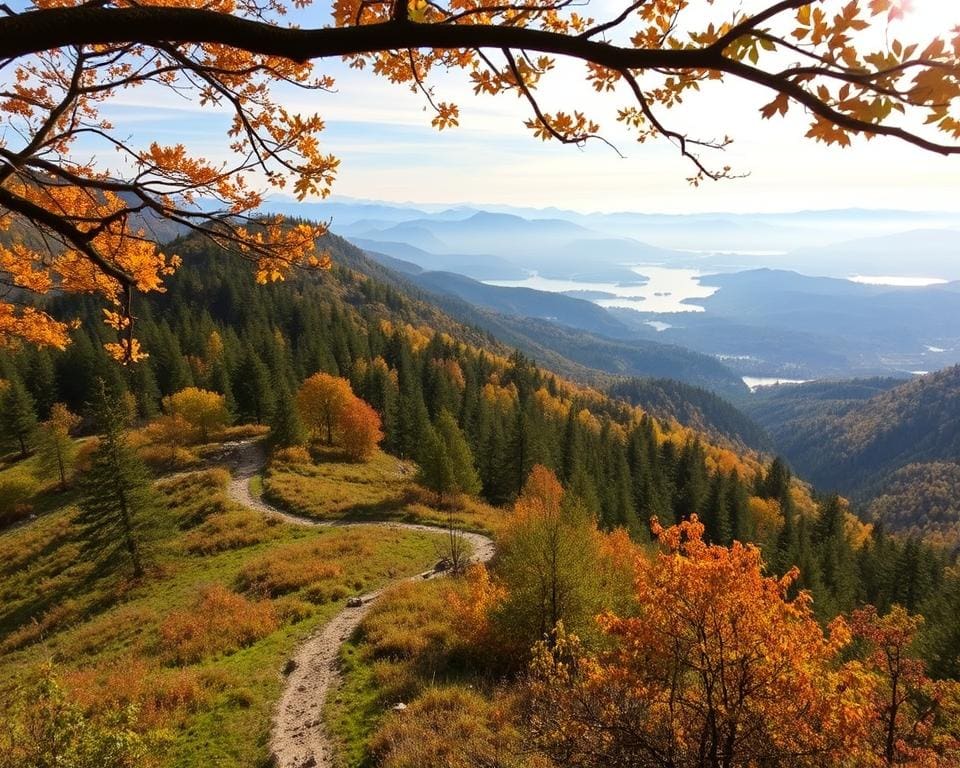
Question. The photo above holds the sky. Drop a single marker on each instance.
(388, 151)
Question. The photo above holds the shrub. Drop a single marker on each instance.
(294, 454)
(43, 727)
(232, 529)
(220, 621)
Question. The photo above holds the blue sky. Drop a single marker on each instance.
(388, 150)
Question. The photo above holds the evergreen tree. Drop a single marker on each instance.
(436, 468)
(41, 381)
(18, 419)
(465, 477)
(143, 384)
(836, 560)
(716, 513)
(253, 389)
(220, 382)
(286, 428)
(116, 494)
(692, 483)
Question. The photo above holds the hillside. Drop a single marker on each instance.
(569, 335)
(876, 440)
(255, 580)
(695, 407)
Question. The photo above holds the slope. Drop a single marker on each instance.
(875, 439)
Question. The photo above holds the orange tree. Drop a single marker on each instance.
(717, 668)
(914, 720)
(73, 225)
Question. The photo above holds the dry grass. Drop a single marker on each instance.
(330, 568)
(380, 489)
(231, 529)
(204, 665)
(450, 726)
(411, 649)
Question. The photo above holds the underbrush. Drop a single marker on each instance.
(197, 646)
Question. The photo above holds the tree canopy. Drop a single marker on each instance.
(73, 224)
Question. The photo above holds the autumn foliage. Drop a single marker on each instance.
(330, 410)
(201, 412)
(719, 667)
(70, 223)
(220, 621)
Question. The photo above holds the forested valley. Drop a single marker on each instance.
(376, 405)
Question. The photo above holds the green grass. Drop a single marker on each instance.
(256, 486)
(383, 488)
(103, 630)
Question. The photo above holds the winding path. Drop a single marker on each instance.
(298, 737)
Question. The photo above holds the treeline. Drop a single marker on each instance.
(424, 376)
(695, 407)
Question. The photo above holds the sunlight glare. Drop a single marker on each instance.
(923, 20)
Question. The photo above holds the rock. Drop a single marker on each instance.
(289, 667)
(310, 762)
(354, 602)
(399, 707)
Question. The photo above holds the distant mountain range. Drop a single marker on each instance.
(892, 446)
(778, 323)
(803, 240)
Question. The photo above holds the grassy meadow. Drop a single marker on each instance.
(198, 645)
(383, 488)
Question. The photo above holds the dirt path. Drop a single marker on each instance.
(298, 738)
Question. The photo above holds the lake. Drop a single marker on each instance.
(664, 289)
(755, 382)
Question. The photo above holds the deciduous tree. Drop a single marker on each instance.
(548, 561)
(360, 429)
(913, 720)
(719, 668)
(57, 451)
(206, 412)
(832, 60)
(322, 400)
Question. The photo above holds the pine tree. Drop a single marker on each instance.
(692, 484)
(116, 494)
(253, 389)
(143, 384)
(436, 468)
(41, 381)
(286, 428)
(836, 559)
(716, 512)
(466, 479)
(18, 419)
(220, 382)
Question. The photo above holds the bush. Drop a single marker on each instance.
(42, 727)
(293, 455)
(220, 621)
